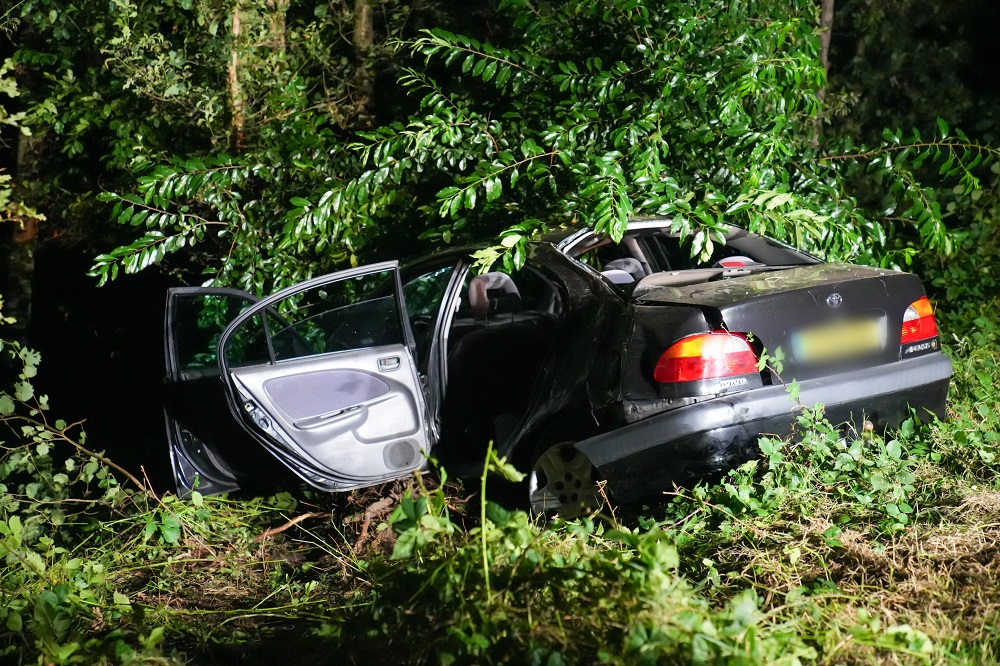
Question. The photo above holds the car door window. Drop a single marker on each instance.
(196, 320)
(356, 313)
(423, 295)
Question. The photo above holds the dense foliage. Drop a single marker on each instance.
(237, 135)
(232, 110)
(257, 142)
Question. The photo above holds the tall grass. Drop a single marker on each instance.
(829, 549)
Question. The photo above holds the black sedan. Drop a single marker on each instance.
(629, 362)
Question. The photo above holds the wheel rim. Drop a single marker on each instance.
(562, 482)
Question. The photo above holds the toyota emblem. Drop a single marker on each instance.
(834, 300)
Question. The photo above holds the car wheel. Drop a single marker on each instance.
(562, 482)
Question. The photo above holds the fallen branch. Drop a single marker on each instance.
(271, 531)
(377, 509)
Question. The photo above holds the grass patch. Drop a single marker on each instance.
(829, 549)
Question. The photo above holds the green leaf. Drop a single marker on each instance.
(778, 200)
(169, 528)
(793, 391)
(493, 188)
(23, 391)
(511, 240)
(894, 450)
(14, 527)
(14, 622)
(504, 469)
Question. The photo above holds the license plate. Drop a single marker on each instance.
(836, 341)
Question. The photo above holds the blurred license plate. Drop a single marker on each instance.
(836, 341)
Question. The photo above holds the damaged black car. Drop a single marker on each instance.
(630, 363)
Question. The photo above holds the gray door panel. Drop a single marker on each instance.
(320, 394)
(339, 400)
(340, 413)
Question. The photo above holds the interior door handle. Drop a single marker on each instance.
(388, 363)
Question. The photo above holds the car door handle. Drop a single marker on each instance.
(359, 410)
(388, 363)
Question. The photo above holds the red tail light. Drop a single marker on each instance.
(918, 322)
(706, 356)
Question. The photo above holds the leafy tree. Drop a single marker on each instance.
(597, 113)
(236, 130)
(904, 63)
(236, 108)
(581, 112)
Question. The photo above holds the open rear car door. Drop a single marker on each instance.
(323, 376)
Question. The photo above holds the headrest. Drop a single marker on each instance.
(618, 277)
(629, 265)
(493, 293)
(738, 261)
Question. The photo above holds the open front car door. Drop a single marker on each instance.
(209, 454)
(322, 375)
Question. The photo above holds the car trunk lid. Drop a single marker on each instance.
(823, 317)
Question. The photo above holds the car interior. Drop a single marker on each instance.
(499, 339)
(652, 256)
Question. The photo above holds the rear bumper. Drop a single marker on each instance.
(698, 440)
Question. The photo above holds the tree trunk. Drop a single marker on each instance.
(825, 34)
(236, 110)
(364, 77)
(24, 243)
(280, 10)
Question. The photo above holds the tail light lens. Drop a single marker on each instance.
(704, 356)
(918, 322)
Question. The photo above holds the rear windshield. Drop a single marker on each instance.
(666, 252)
